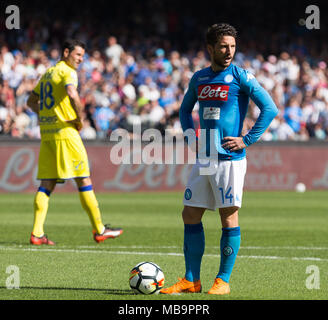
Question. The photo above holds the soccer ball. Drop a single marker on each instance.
(300, 187)
(146, 278)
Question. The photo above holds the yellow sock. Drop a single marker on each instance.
(90, 205)
(41, 202)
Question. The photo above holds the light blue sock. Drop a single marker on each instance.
(229, 245)
(194, 246)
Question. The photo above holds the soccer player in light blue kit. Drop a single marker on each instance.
(223, 91)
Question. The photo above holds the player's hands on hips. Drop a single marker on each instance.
(78, 124)
(233, 143)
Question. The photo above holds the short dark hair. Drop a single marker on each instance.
(70, 44)
(218, 30)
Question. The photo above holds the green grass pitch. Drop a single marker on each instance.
(284, 238)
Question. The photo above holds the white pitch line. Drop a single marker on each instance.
(283, 248)
(4, 248)
(208, 247)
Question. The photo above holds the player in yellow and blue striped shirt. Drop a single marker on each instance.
(62, 153)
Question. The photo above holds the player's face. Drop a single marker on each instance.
(223, 52)
(75, 57)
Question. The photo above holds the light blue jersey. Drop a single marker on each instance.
(223, 99)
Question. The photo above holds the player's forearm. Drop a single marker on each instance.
(268, 112)
(34, 107)
(259, 128)
(186, 120)
(185, 112)
(75, 101)
(77, 106)
(33, 103)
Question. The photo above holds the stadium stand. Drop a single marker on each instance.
(141, 55)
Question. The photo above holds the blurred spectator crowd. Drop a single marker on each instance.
(141, 81)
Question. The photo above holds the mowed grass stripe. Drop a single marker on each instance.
(3, 248)
(179, 247)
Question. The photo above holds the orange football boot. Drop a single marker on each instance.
(220, 287)
(183, 286)
(109, 233)
(41, 240)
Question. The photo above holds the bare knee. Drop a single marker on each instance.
(229, 217)
(83, 182)
(192, 215)
(48, 184)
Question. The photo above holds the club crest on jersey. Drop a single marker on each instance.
(213, 92)
(228, 78)
(188, 194)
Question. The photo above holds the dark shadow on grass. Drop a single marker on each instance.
(105, 291)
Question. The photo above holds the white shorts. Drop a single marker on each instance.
(218, 186)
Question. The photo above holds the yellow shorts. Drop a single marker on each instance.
(63, 159)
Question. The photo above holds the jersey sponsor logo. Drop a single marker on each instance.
(211, 113)
(47, 120)
(50, 131)
(213, 92)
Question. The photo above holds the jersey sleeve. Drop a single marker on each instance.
(70, 78)
(268, 109)
(187, 106)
